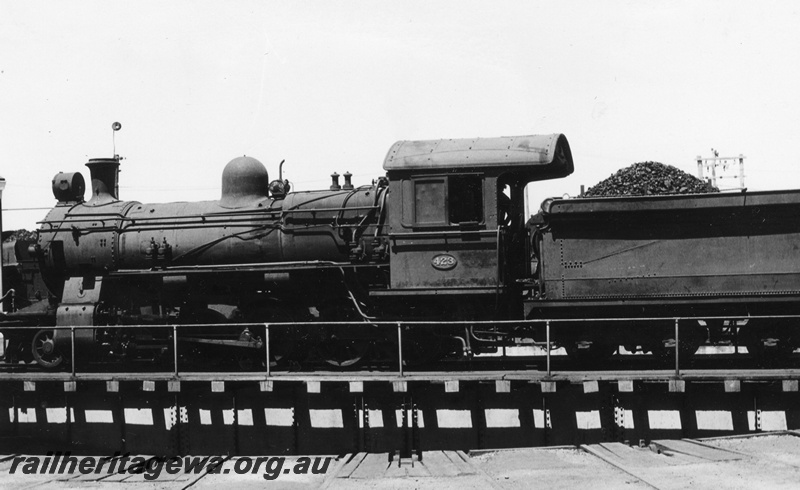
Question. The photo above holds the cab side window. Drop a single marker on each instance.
(465, 199)
(446, 200)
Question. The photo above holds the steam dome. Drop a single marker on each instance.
(244, 181)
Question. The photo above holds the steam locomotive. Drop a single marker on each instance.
(442, 237)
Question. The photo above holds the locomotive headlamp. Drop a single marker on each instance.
(69, 187)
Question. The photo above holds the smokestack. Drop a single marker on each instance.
(105, 180)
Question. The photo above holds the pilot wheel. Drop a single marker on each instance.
(44, 349)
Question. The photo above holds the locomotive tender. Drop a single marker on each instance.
(443, 236)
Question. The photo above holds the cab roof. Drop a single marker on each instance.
(550, 150)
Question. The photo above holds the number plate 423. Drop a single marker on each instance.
(443, 262)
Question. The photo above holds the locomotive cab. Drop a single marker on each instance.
(456, 220)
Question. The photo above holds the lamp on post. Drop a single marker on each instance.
(2, 291)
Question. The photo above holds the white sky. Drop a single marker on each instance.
(329, 86)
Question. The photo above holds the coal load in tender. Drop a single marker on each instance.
(649, 178)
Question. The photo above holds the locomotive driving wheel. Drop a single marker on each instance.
(589, 352)
(343, 352)
(249, 359)
(419, 350)
(44, 350)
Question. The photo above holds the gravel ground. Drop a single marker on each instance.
(553, 468)
(763, 462)
(780, 448)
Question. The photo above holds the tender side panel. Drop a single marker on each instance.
(665, 248)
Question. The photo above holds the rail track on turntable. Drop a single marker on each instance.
(480, 404)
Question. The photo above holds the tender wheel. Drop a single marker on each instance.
(686, 350)
(44, 350)
(768, 351)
